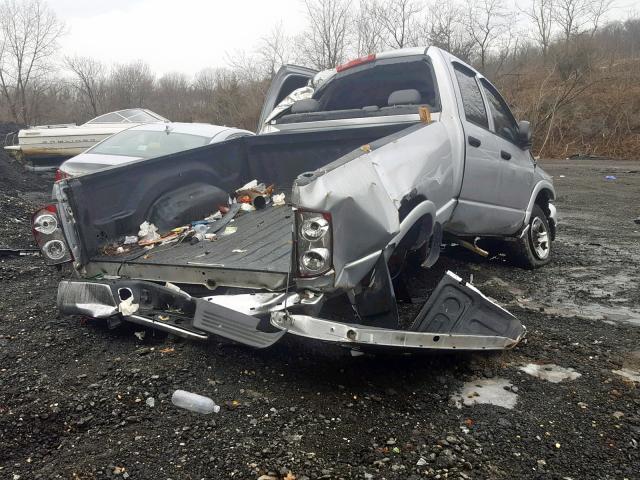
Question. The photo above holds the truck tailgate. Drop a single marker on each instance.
(261, 243)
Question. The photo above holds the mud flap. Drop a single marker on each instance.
(231, 324)
(457, 307)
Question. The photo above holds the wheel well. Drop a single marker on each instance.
(542, 200)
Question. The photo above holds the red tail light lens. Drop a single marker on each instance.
(45, 225)
(60, 175)
(356, 62)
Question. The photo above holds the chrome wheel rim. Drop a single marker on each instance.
(540, 238)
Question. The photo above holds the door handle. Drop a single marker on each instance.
(474, 142)
(505, 155)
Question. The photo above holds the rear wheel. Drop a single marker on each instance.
(533, 250)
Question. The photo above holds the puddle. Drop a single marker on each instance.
(630, 367)
(550, 372)
(492, 391)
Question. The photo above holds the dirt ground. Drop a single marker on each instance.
(79, 401)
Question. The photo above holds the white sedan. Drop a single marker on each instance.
(146, 141)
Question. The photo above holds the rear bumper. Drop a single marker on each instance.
(456, 316)
(358, 335)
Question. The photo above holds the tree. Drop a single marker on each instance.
(29, 33)
(130, 85)
(402, 23)
(324, 44)
(368, 29)
(446, 29)
(541, 12)
(90, 81)
(487, 20)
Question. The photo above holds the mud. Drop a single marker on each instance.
(74, 396)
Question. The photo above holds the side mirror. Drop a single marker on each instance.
(524, 133)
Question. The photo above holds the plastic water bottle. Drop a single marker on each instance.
(194, 402)
(201, 230)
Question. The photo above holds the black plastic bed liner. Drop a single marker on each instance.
(262, 243)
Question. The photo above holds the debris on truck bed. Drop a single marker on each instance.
(248, 198)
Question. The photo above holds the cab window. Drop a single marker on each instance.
(474, 109)
(504, 124)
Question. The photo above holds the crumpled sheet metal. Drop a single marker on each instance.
(364, 218)
(363, 192)
(85, 298)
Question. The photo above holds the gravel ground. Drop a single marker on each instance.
(79, 401)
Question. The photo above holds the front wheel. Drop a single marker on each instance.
(533, 249)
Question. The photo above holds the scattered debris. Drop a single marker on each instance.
(194, 402)
(550, 372)
(127, 307)
(628, 374)
(492, 391)
(279, 200)
(151, 402)
(140, 335)
(637, 220)
(238, 250)
(148, 233)
(610, 177)
(19, 252)
(130, 239)
(255, 194)
(230, 230)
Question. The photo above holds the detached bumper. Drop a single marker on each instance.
(456, 316)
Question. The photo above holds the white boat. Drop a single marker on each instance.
(45, 146)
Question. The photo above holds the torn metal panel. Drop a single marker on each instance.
(457, 316)
(85, 298)
(457, 307)
(363, 192)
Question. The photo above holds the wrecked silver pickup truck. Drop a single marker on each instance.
(386, 155)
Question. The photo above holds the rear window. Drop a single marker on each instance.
(371, 85)
(144, 144)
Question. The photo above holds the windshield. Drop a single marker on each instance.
(146, 144)
(130, 115)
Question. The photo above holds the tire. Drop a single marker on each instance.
(533, 250)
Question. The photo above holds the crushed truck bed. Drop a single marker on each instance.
(261, 243)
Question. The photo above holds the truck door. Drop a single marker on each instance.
(288, 78)
(479, 196)
(516, 169)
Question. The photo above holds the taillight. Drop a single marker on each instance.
(314, 243)
(60, 175)
(356, 62)
(45, 225)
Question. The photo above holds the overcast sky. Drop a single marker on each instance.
(171, 35)
(184, 35)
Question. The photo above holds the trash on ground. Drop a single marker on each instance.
(230, 230)
(492, 391)
(19, 252)
(550, 372)
(238, 250)
(610, 177)
(130, 239)
(127, 307)
(151, 402)
(194, 402)
(140, 335)
(637, 220)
